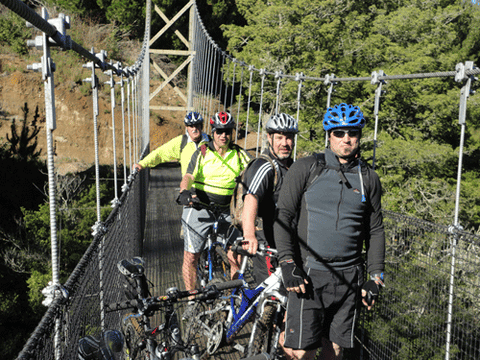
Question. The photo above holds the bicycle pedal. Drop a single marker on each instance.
(239, 347)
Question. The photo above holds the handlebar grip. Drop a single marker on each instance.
(229, 284)
(124, 305)
(237, 248)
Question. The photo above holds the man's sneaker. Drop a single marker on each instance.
(188, 311)
(133, 267)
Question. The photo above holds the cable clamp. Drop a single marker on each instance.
(52, 292)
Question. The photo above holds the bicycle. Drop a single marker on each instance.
(163, 341)
(226, 316)
(213, 260)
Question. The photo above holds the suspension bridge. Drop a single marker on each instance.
(429, 309)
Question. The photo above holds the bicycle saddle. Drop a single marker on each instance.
(132, 267)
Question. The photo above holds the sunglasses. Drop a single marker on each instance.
(224, 131)
(354, 133)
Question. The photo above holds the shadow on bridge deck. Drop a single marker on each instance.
(163, 247)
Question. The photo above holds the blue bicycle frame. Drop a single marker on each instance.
(250, 300)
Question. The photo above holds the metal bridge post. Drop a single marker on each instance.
(378, 93)
(122, 92)
(299, 78)
(47, 67)
(465, 91)
(329, 81)
(98, 228)
(262, 74)
(278, 76)
(112, 83)
(250, 69)
(242, 64)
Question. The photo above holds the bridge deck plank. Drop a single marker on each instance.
(163, 247)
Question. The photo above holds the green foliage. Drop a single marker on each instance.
(417, 154)
(23, 145)
(13, 32)
(36, 283)
(75, 220)
(22, 183)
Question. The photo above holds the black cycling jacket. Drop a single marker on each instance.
(328, 224)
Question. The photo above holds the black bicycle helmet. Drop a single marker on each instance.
(193, 118)
(282, 123)
(222, 120)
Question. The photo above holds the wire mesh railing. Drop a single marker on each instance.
(411, 317)
(79, 308)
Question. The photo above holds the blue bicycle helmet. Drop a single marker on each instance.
(342, 116)
(193, 118)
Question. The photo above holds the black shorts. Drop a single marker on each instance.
(329, 309)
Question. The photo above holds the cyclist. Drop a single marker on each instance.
(212, 172)
(261, 192)
(179, 148)
(320, 233)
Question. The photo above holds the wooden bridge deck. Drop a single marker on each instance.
(163, 247)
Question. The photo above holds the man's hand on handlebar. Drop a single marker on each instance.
(250, 243)
(186, 198)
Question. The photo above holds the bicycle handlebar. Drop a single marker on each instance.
(262, 250)
(212, 207)
(203, 294)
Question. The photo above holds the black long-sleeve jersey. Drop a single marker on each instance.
(328, 224)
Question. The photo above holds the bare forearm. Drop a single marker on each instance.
(250, 210)
(187, 182)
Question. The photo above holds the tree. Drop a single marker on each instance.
(351, 39)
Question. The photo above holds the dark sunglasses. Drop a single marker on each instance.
(354, 133)
(224, 131)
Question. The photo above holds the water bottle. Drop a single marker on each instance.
(176, 336)
(162, 352)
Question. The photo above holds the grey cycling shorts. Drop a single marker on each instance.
(197, 225)
(329, 309)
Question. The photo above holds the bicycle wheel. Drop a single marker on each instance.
(131, 331)
(205, 327)
(263, 332)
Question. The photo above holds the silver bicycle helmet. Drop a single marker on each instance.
(282, 123)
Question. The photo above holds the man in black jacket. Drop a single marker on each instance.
(327, 211)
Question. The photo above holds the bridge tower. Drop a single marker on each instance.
(187, 10)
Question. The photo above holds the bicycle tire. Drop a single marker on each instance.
(202, 270)
(131, 331)
(263, 332)
(222, 264)
(196, 333)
